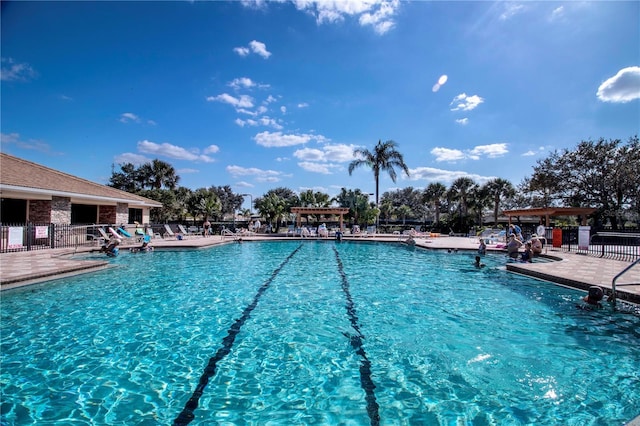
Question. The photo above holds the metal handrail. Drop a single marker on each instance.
(612, 298)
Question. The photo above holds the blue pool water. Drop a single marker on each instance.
(316, 332)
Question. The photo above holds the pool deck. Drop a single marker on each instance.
(18, 269)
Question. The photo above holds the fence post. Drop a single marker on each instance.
(52, 238)
(29, 228)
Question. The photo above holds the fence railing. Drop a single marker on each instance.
(42, 236)
(618, 245)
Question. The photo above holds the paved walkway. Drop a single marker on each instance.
(570, 269)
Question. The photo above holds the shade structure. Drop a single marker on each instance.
(339, 211)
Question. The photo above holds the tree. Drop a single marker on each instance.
(498, 189)
(459, 191)
(384, 158)
(435, 194)
(272, 207)
(158, 174)
(403, 212)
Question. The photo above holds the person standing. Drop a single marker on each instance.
(206, 225)
(513, 246)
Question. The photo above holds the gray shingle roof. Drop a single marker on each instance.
(22, 174)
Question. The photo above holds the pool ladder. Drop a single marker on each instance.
(612, 298)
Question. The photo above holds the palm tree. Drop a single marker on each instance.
(404, 211)
(383, 158)
(499, 188)
(158, 174)
(459, 191)
(435, 194)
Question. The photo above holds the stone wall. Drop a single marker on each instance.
(122, 213)
(39, 211)
(61, 210)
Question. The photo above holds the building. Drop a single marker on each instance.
(31, 193)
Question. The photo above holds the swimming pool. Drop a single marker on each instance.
(316, 332)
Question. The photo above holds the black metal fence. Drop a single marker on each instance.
(619, 244)
(42, 236)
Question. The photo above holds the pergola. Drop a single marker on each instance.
(548, 212)
(299, 211)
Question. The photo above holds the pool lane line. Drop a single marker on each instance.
(186, 416)
(356, 342)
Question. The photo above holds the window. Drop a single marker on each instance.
(135, 215)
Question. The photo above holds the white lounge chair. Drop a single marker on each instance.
(168, 232)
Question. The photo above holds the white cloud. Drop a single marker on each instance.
(491, 151)
(211, 149)
(259, 48)
(463, 121)
(259, 174)
(262, 121)
(242, 51)
(241, 82)
(510, 10)
(431, 174)
(322, 160)
(14, 71)
(379, 14)
(557, 13)
(14, 139)
(129, 157)
(622, 87)
(256, 47)
(462, 102)
(310, 166)
(243, 101)
(278, 139)
(283, 109)
(172, 151)
(441, 81)
(303, 105)
(446, 154)
(529, 153)
(128, 117)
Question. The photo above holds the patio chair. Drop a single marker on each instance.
(168, 232)
(184, 231)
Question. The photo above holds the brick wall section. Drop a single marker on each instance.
(122, 213)
(107, 214)
(61, 210)
(39, 211)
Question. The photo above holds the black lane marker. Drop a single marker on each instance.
(356, 343)
(186, 416)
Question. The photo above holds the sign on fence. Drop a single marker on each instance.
(16, 237)
(42, 232)
(583, 237)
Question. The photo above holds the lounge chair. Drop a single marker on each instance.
(291, 231)
(103, 235)
(114, 233)
(229, 233)
(184, 231)
(168, 232)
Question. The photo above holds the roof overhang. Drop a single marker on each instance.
(551, 211)
(11, 191)
(320, 210)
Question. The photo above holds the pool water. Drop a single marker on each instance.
(317, 332)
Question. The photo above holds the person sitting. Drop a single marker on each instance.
(145, 247)
(527, 254)
(513, 246)
(477, 264)
(482, 249)
(536, 245)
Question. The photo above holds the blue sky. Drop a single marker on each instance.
(258, 95)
